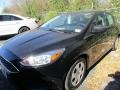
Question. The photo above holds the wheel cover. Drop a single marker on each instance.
(23, 29)
(77, 74)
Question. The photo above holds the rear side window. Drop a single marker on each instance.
(110, 20)
(15, 18)
(8, 18)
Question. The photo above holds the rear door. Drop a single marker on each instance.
(113, 30)
(105, 34)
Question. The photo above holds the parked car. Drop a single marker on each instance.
(60, 52)
(14, 24)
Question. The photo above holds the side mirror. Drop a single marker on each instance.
(97, 29)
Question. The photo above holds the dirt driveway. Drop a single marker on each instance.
(104, 76)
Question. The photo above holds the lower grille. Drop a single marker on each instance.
(8, 65)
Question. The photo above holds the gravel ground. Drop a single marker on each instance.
(104, 76)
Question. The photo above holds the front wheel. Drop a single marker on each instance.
(76, 75)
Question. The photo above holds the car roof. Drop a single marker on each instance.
(88, 11)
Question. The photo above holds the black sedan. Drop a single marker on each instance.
(58, 54)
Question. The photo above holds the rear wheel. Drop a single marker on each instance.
(76, 75)
(23, 29)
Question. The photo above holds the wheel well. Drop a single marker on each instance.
(24, 26)
(86, 58)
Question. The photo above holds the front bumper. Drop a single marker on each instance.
(28, 78)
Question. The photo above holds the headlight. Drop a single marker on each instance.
(42, 59)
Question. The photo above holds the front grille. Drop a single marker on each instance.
(8, 65)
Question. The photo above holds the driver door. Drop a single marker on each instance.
(98, 38)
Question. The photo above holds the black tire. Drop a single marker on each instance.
(68, 80)
(23, 29)
(115, 45)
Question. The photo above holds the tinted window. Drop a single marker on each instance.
(8, 18)
(5, 18)
(69, 22)
(109, 20)
(15, 18)
(100, 21)
(1, 19)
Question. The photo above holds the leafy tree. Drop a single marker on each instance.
(49, 15)
(57, 5)
(115, 3)
(33, 8)
(46, 9)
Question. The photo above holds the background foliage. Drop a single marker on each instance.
(46, 9)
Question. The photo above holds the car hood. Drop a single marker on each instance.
(38, 41)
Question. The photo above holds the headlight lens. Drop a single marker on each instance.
(42, 59)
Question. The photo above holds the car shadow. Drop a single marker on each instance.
(6, 37)
(115, 84)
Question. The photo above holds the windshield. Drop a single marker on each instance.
(69, 22)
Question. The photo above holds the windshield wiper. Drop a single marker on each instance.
(65, 31)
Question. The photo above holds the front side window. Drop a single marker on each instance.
(100, 21)
(8, 18)
(1, 18)
(69, 22)
(5, 18)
